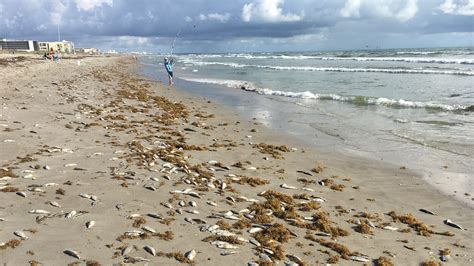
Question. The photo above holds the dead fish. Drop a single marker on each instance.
(35, 189)
(322, 234)
(84, 195)
(213, 227)
(199, 221)
(287, 186)
(50, 184)
(190, 255)
(269, 251)
(223, 245)
(192, 204)
(133, 233)
(21, 193)
(220, 232)
(318, 199)
(167, 177)
(370, 224)
(149, 229)
(254, 230)
(155, 215)
(168, 205)
(133, 215)
(193, 194)
(89, 224)
(295, 258)
(39, 212)
(71, 214)
(29, 176)
(308, 189)
(189, 220)
(212, 203)
(451, 223)
(55, 204)
(94, 198)
(154, 178)
(20, 234)
(46, 167)
(223, 185)
(192, 211)
(182, 203)
(135, 259)
(427, 211)
(390, 228)
(253, 241)
(70, 164)
(359, 258)
(152, 188)
(127, 250)
(304, 172)
(72, 253)
(227, 253)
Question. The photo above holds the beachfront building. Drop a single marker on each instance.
(88, 50)
(14, 45)
(66, 47)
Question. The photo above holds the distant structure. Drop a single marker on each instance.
(16, 45)
(87, 50)
(111, 52)
(66, 47)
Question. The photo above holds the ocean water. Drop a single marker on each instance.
(412, 107)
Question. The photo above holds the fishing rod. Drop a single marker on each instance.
(176, 37)
(174, 41)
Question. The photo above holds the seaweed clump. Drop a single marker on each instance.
(384, 261)
(413, 222)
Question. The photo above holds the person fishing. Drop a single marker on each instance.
(169, 68)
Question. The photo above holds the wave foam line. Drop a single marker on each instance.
(356, 100)
(362, 59)
(336, 69)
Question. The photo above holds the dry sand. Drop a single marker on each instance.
(106, 145)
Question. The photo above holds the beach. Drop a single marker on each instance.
(102, 165)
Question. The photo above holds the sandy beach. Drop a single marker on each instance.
(103, 166)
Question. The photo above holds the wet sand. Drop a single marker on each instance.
(161, 173)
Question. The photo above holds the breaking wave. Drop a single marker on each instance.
(356, 100)
(335, 69)
(432, 60)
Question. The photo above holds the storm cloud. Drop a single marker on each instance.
(241, 25)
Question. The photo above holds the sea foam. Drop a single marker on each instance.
(357, 100)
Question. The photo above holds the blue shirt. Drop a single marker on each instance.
(169, 65)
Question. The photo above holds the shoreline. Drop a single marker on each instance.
(121, 130)
(438, 173)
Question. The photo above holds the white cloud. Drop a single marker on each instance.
(188, 19)
(88, 5)
(380, 9)
(216, 17)
(57, 10)
(351, 9)
(463, 8)
(268, 11)
(408, 12)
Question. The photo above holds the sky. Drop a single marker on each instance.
(241, 25)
